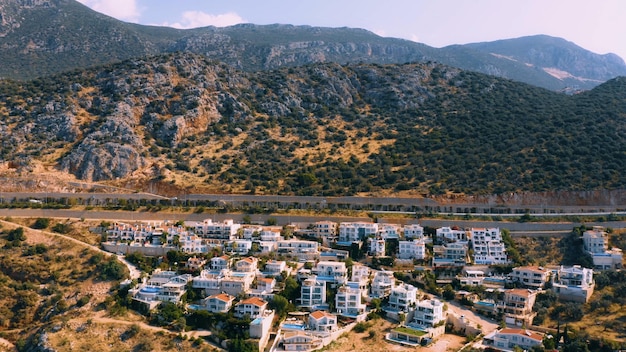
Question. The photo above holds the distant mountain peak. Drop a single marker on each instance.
(43, 37)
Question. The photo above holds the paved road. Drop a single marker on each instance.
(516, 228)
(376, 203)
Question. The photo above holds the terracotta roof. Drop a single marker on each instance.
(520, 292)
(255, 301)
(319, 314)
(528, 333)
(223, 297)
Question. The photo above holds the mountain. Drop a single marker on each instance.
(181, 120)
(42, 37)
(564, 60)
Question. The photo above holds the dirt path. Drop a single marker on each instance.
(134, 272)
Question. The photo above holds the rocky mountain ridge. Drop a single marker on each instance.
(322, 129)
(41, 37)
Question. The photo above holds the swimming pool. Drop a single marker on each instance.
(149, 290)
(288, 326)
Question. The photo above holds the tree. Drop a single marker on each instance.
(112, 269)
(280, 304)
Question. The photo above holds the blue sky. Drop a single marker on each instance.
(595, 26)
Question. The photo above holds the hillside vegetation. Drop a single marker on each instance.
(323, 129)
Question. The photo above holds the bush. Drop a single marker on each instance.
(360, 327)
(41, 223)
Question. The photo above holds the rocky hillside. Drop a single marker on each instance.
(42, 37)
(328, 129)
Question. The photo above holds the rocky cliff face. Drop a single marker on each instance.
(317, 129)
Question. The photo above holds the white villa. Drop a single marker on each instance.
(226, 230)
(356, 231)
(596, 243)
(488, 246)
(534, 277)
(331, 272)
(388, 231)
(414, 231)
(220, 263)
(376, 246)
(253, 307)
(348, 300)
(428, 314)
(220, 303)
(574, 283)
(507, 339)
(322, 321)
(450, 254)
(415, 249)
(312, 293)
(447, 234)
(382, 284)
(403, 298)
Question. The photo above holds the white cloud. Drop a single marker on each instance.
(195, 19)
(125, 10)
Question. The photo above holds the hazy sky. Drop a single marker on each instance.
(598, 25)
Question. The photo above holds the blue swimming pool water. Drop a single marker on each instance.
(149, 290)
(293, 326)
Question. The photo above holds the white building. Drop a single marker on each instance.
(428, 314)
(471, 277)
(271, 235)
(253, 307)
(413, 231)
(275, 267)
(382, 284)
(361, 275)
(220, 263)
(534, 277)
(326, 230)
(403, 298)
(331, 272)
(312, 293)
(415, 249)
(247, 265)
(447, 234)
(299, 248)
(488, 246)
(574, 283)
(220, 303)
(596, 243)
(322, 321)
(507, 339)
(356, 231)
(348, 300)
(376, 246)
(389, 231)
(226, 230)
(241, 247)
(450, 254)
(250, 232)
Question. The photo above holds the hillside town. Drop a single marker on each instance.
(341, 274)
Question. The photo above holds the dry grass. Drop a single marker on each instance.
(91, 335)
(361, 342)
